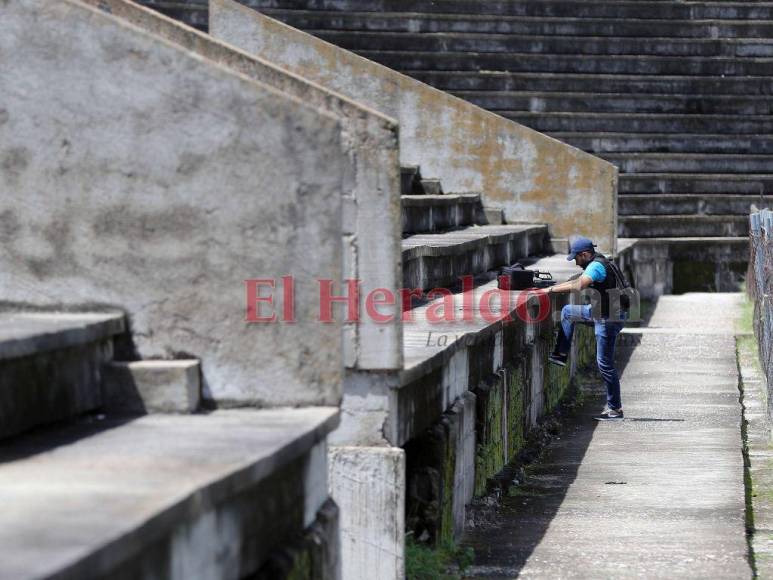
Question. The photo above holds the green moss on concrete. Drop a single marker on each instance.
(516, 413)
(302, 570)
(448, 561)
(446, 532)
(690, 276)
(559, 379)
(489, 452)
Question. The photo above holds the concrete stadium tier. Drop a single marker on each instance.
(661, 87)
(165, 496)
(528, 176)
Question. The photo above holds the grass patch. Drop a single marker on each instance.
(446, 562)
(745, 323)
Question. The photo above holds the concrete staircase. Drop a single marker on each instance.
(447, 236)
(676, 94)
(92, 490)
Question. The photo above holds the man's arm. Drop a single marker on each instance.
(580, 283)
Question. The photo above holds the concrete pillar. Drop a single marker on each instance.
(368, 484)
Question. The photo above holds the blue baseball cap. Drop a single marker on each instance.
(579, 244)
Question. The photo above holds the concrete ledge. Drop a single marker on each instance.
(153, 386)
(686, 204)
(434, 213)
(29, 333)
(436, 260)
(657, 226)
(163, 496)
(50, 366)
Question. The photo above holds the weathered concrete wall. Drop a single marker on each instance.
(371, 217)
(368, 483)
(530, 176)
(138, 175)
(678, 265)
(512, 388)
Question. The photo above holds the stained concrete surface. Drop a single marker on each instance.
(92, 498)
(659, 495)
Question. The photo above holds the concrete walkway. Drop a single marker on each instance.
(659, 495)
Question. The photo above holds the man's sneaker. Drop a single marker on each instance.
(558, 359)
(609, 414)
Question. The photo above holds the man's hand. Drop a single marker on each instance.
(572, 285)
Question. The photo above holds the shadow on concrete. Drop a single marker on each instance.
(503, 546)
(47, 438)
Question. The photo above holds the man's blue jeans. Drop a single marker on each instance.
(606, 332)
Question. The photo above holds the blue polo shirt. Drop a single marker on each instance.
(595, 271)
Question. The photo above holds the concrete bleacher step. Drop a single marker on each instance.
(412, 182)
(578, 45)
(439, 260)
(598, 83)
(697, 204)
(690, 163)
(600, 143)
(434, 213)
(592, 102)
(564, 63)
(682, 226)
(432, 186)
(474, 22)
(163, 496)
(720, 183)
(51, 365)
(552, 122)
(644, 10)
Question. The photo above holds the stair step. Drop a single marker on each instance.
(439, 260)
(572, 45)
(194, 13)
(410, 180)
(647, 10)
(642, 123)
(719, 183)
(51, 365)
(114, 499)
(593, 83)
(474, 22)
(695, 204)
(690, 163)
(432, 186)
(694, 104)
(600, 143)
(434, 213)
(618, 64)
(683, 226)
